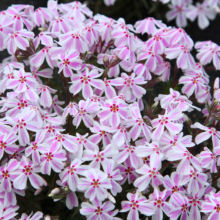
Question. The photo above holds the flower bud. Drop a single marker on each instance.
(215, 106)
(114, 61)
(55, 191)
(106, 61)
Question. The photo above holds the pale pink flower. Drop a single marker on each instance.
(71, 108)
(36, 147)
(195, 181)
(183, 55)
(114, 175)
(173, 184)
(125, 54)
(7, 144)
(62, 25)
(135, 203)
(152, 59)
(68, 62)
(158, 200)
(36, 216)
(23, 122)
(163, 70)
(208, 51)
(77, 9)
(149, 174)
(85, 111)
(95, 184)
(84, 80)
(153, 150)
(97, 210)
(109, 2)
(113, 112)
(9, 212)
(27, 170)
(128, 151)
(129, 85)
(56, 106)
(41, 16)
(203, 12)
(208, 160)
(209, 132)
(38, 58)
(101, 134)
(180, 207)
(8, 174)
(74, 40)
(5, 30)
(45, 73)
(211, 206)
(127, 171)
(179, 11)
(138, 124)
(52, 158)
(91, 34)
(196, 203)
(18, 40)
(44, 39)
(97, 158)
(19, 19)
(148, 25)
(70, 174)
(46, 97)
(186, 160)
(167, 121)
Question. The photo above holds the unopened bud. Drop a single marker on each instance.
(106, 61)
(55, 191)
(214, 107)
(47, 217)
(114, 61)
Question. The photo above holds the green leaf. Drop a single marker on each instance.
(208, 106)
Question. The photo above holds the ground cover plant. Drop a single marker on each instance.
(105, 120)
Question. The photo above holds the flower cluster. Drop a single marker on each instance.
(81, 116)
(181, 10)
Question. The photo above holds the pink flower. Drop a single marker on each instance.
(208, 160)
(42, 15)
(95, 184)
(203, 12)
(68, 62)
(153, 150)
(179, 11)
(211, 206)
(128, 85)
(8, 174)
(84, 80)
(19, 18)
(56, 105)
(38, 146)
(85, 109)
(109, 2)
(91, 34)
(71, 108)
(38, 58)
(44, 39)
(27, 170)
(173, 184)
(180, 207)
(149, 174)
(97, 210)
(128, 151)
(99, 157)
(45, 73)
(74, 40)
(209, 132)
(158, 200)
(137, 203)
(195, 180)
(5, 30)
(148, 25)
(186, 159)
(46, 97)
(52, 158)
(8, 213)
(18, 40)
(36, 216)
(184, 58)
(7, 144)
(113, 112)
(166, 121)
(113, 174)
(138, 124)
(22, 123)
(70, 174)
(208, 51)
